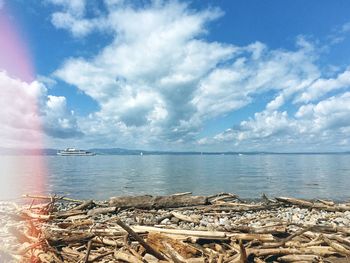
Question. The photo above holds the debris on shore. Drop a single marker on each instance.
(177, 228)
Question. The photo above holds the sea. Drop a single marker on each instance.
(310, 176)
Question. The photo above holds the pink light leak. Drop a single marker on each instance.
(14, 54)
(20, 121)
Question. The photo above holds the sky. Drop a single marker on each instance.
(243, 75)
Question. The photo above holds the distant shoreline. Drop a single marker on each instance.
(121, 151)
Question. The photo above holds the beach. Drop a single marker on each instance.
(175, 228)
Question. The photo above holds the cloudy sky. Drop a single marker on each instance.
(219, 75)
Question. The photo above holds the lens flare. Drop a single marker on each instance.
(21, 131)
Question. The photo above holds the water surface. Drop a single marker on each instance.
(99, 177)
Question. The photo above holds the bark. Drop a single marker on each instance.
(148, 201)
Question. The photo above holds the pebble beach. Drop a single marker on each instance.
(224, 229)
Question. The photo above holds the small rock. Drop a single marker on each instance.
(174, 220)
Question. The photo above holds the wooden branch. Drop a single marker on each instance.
(101, 256)
(101, 210)
(158, 240)
(132, 233)
(107, 241)
(32, 215)
(51, 197)
(336, 246)
(195, 233)
(86, 259)
(84, 205)
(308, 204)
(243, 253)
(316, 250)
(119, 255)
(181, 194)
(176, 257)
(297, 258)
(185, 218)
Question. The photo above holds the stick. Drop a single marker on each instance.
(50, 198)
(86, 260)
(132, 233)
(243, 257)
(176, 257)
(83, 205)
(336, 246)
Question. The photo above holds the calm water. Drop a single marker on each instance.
(99, 177)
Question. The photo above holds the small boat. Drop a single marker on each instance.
(75, 152)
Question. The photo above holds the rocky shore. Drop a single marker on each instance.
(176, 228)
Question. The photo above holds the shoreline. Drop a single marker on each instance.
(180, 227)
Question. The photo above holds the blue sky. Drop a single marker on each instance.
(187, 75)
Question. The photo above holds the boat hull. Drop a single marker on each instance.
(76, 154)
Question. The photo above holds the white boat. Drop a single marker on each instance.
(75, 152)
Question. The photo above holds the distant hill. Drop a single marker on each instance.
(122, 151)
(116, 151)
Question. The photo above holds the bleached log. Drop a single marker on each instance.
(119, 255)
(191, 219)
(297, 258)
(158, 240)
(314, 250)
(148, 201)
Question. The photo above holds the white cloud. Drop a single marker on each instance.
(323, 86)
(73, 6)
(166, 79)
(339, 34)
(320, 126)
(78, 26)
(20, 124)
(73, 17)
(160, 80)
(148, 75)
(58, 121)
(330, 114)
(27, 111)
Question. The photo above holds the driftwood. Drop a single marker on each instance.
(309, 204)
(298, 258)
(193, 229)
(102, 210)
(148, 201)
(147, 247)
(158, 241)
(84, 205)
(55, 198)
(126, 257)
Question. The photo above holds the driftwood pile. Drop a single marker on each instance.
(177, 228)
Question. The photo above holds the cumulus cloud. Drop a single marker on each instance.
(323, 86)
(329, 114)
(73, 17)
(324, 125)
(149, 74)
(19, 118)
(58, 121)
(27, 110)
(164, 77)
(160, 79)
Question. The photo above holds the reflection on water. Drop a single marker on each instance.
(99, 177)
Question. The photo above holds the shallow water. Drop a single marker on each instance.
(99, 177)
